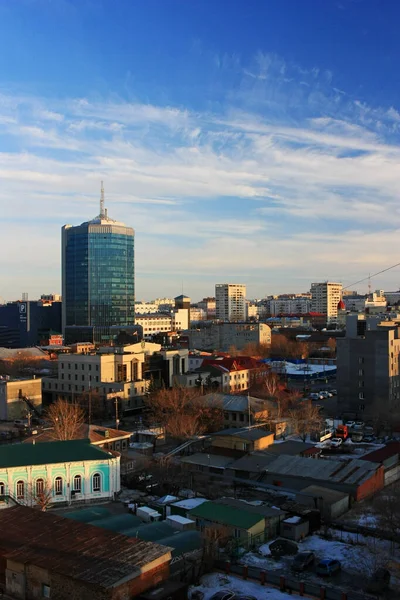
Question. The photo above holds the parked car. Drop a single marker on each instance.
(369, 430)
(336, 442)
(223, 595)
(357, 436)
(359, 425)
(315, 396)
(326, 394)
(328, 567)
(303, 560)
(283, 547)
(334, 392)
(350, 424)
(368, 438)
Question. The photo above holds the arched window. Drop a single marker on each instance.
(96, 482)
(78, 483)
(2, 488)
(39, 487)
(58, 486)
(20, 490)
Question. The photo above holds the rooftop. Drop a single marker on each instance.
(378, 456)
(237, 403)
(95, 433)
(289, 447)
(74, 549)
(22, 455)
(351, 472)
(246, 433)
(253, 463)
(226, 515)
(208, 460)
(263, 510)
(326, 494)
(190, 503)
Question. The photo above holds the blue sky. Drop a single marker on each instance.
(247, 141)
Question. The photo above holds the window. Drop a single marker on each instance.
(78, 483)
(20, 490)
(361, 372)
(90, 367)
(45, 591)
(2, 488)
(361, 360)
(361, 395)
(39, 487)
(58, 486)
(96, 482)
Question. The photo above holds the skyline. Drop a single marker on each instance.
(258, 145)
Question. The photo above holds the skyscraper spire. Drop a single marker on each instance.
(102, 213)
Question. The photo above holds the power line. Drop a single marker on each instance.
(369, 276)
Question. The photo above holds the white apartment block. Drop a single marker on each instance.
(230, 302)
(290, 306)
(177, 320)
(325, 298)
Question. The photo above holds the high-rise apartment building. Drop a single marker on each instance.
(98, 278)
(325, 298)
(368, 368)
(230, 301)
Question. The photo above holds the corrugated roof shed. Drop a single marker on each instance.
(326, 494)
(353, 471)
(253, 463)
(225, 515)
(73, 549)
(183, 542)
(382, 454)
(151, 532)
(22, 455)
(289, 447)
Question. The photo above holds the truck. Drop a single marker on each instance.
(342, 431)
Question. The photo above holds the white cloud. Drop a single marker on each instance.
(254, 194)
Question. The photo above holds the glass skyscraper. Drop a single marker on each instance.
(98, 278)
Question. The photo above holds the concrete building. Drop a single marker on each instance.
(325, 298)
(155, 323)
(98, 278)
(45, 555)
(209, 306)
(182, 303)
(197, 314)
(331, 503)
(248, 439)
(230, 302)
(223, 336)
(18, 397)
(69, 471)
(109, 372)
(289, 306)
(368, 368)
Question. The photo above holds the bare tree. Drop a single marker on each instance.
(271, 384)
(66, 420)
(306, 418)
(40, 494)
(184, 412)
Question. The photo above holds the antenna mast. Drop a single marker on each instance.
(102, 213)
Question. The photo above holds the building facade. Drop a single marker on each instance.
(26, 323)
(230, 302)
(18, 397)
(325, 298)
(368, 363)
(289, 306)
(108, 372)
(98, 278)
(66, 472)
(155, 323)
(223, 336)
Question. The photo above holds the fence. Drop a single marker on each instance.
(286, 584)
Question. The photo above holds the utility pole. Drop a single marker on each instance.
(116, 413)
(249, 408)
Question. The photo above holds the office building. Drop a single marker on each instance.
(98, 279)
(230, 302)
(325, 298)
(368, 377)
(182, 303)
(27, 323)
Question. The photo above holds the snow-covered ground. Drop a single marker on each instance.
(215, 582)
(359, 555)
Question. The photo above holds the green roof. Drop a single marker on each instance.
(183, 542)
(225, 515)
(150, 532)
(22, 455)
(86, 515)
(117, 523)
